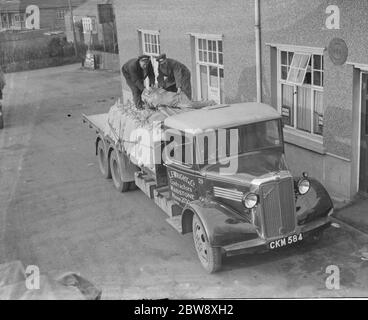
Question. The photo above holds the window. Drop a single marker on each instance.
(60, 14)
(300, 87)
(181, 149)
(150, 42)
(17, 17)
(89, 25)
(210, 147)
(210, 67)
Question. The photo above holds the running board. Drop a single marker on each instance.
(145, 183)
(160, 195)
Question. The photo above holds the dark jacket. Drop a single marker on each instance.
(177, 74)
(133, 72)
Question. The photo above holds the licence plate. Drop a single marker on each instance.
(282, 242)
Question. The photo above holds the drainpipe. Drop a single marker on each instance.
(257, 29)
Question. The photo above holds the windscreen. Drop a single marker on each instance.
(217, 144)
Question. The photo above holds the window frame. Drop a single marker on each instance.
(153, 55)
(60, 14)
(150, 33)
(207, 64)
(314, 88)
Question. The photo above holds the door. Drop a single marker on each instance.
(211, 83)
(363, 172)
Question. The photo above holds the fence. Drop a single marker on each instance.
(35, 49)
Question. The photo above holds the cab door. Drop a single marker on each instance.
(363, 172)
(182, 178)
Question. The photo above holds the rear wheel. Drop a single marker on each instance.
(209, 256)
(103, 162)
(116, 173)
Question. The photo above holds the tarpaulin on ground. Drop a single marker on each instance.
(16, 285)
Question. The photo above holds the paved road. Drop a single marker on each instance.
(57, 212)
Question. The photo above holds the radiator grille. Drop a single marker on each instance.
(278, 203)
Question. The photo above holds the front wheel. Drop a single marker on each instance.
(209, 256)
(120, 185)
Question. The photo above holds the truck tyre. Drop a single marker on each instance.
(116, 173)
(103, 161)
(210, 257)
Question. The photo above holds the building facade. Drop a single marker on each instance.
(323, 103)
(13, 13)
(89, 29)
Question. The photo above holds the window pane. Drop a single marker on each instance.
(222, 96)
(304, 61)
(322, 73)
(284, 72)
(318, 113)
(214, 57)
(210, 57)
(221, 59)
(200, 55)
(304, 109)
(284, 58)
(204, 82)
(317, 78)
(317, 62)
(308, 77)
(287, 107)
(298, 68)
(205, 56)
(204, 44)
(199, 44)
(214, 77)
(293, 73)
(214, 46)
(219, 46)
(300, 76)
(290, 55)
(209, 45)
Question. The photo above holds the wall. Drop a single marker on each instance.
(297, 22)
(48, 19)
(175, 20)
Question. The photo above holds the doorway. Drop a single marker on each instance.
(363, 169)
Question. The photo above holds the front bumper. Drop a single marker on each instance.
(259, 244)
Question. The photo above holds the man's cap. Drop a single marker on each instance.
(144, 57)
(161, 58)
